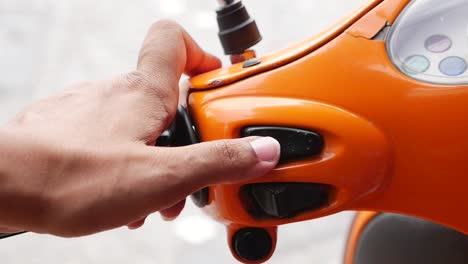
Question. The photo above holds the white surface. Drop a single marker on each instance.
(421, 21)
(48, 44)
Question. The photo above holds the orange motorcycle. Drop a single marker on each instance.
(371, 115)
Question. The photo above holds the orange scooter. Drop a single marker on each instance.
(371, 115)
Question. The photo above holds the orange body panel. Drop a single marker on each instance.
(357, 171)
(234, 73)
(392, 143)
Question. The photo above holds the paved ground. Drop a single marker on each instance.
(48, 44)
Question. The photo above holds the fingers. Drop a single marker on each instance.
(166, 53)
(167, 214)
(149, 179)
(172, 212)
(137, 224)
(169, 49)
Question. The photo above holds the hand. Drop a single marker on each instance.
(83, 161)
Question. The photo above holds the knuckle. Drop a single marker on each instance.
(154, 88)
(150, 84)
(147, 83)
(137, 80)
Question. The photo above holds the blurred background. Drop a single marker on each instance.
(46, 45)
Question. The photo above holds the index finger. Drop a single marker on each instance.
(168, 49)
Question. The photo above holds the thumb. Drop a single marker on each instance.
(157, 178)
(225, 161)
(174, 173)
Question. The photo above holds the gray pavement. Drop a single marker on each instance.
(46, 45)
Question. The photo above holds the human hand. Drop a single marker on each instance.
(83, 161)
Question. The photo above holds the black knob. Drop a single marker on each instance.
(237, 30)
(252, 244)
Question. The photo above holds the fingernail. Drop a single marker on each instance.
(266, 148)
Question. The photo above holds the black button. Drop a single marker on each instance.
(295, 143)
(252, 244)
(284, 200)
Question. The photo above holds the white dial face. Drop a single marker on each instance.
(429, 41)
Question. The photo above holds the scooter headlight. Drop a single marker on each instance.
(429, 41)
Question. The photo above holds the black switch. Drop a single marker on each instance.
(295, 143)
(285, 200)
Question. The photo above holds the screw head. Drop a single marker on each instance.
(251, 62)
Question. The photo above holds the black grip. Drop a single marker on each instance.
(181, 132)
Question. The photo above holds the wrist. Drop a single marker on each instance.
(22, 166)
(20, 154)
